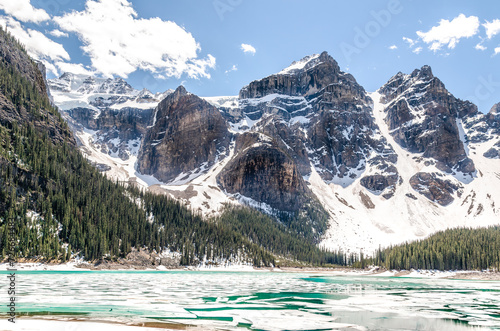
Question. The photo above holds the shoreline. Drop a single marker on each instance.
(90, 324)
(340, 271)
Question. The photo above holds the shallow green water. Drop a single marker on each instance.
(259, 300)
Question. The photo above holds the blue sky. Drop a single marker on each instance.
(215, 47)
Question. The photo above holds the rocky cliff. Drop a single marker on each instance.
(263, 172)
(422, 116)
(29, 75)
(117, 115)
(187, 137)
(117, 132)
(325, 120)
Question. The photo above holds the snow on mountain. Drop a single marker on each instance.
(364, 220)
(223, 101)
(116, 113)
(73, 91)
(305, 63)
(115, 167)
(387, 167)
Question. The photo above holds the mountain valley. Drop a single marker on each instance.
(375, 169)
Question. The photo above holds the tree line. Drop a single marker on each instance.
(452, 249)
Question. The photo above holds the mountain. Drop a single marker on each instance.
(422, 116)
(55, 205)
(309, 146)
(110, 112)
(187, 136)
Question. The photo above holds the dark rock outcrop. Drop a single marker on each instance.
(130, 122)
(263, 172)
(493, 152)
(385, 180)
(434, 188)
(378, 183)
(290, 139)
(341, 139)
(189, 135)
(482, 127)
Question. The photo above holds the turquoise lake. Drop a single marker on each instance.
(212, 300)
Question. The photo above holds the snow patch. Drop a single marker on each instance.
(298, 65)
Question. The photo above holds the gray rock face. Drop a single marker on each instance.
(342, 139)
(118, 131)
(385, 182)
(189, 135)
(482, 127)
(317, 73)
(434, 188)
(493, 118)
(119, 114)
(422, 116)
(264, 173)
(325, 118)
(130, 122)
(290, 139)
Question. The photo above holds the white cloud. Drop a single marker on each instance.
(118, 42)
(450, 32)
(417, 50)
(492, 28)
(233, 68)
(410, 41)
(37, 44)
(24, 11)
(497, 50)
(58, 33)
(75, 68)
(246, 48)
(393, 47)
(480, 47)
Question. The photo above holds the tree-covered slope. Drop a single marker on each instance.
(453, 249)
(279, 238)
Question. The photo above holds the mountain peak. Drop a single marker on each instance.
(299, 65)
(67, 75)
(307, 63)
(180, 90)
(170, 97)
(495, 110)
(424, 73)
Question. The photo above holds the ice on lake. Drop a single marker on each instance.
(70, 300)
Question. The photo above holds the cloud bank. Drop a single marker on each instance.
(119, 42)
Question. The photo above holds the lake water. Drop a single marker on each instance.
(250, 301)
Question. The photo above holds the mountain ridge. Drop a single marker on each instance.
(389, 166)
